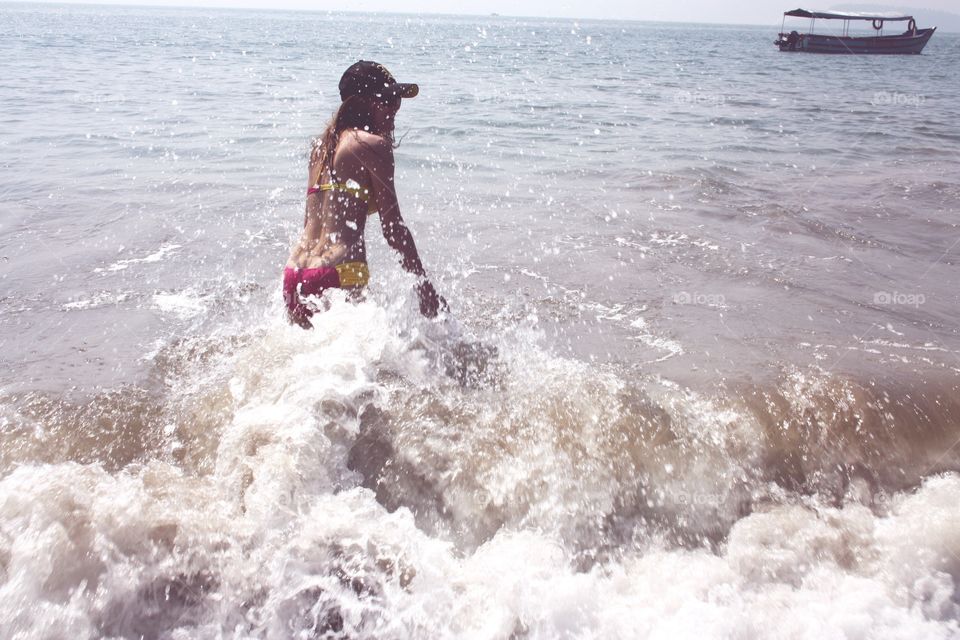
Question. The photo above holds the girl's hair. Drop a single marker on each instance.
(353, 113)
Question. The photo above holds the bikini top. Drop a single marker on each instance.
(351, 187)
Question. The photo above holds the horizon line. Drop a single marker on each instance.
(152, 5)
(258, 7)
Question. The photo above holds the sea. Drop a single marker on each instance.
(698, 379)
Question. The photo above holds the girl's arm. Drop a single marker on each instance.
(381, 167)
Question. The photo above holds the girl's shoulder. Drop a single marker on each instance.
(365, 143)
(363, 137)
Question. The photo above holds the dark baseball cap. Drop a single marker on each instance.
(365, 78)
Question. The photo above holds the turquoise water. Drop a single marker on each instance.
(699, 376)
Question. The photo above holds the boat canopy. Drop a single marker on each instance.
(847, 15)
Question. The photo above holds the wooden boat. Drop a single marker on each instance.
(912, 40)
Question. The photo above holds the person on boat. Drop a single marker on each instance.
(792, 40)
(351, 176)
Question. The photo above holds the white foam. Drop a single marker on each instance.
(498, 495)
(156, 552)
(184, 304)
(156, 256)
(99, 299)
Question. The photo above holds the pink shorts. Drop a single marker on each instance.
(306, 282)
(298, 283)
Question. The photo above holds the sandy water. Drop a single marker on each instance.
(699, 379)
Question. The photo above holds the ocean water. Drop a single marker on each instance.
(699, 378)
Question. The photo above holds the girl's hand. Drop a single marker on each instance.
(430, 301)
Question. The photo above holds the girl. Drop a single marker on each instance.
(352, 176)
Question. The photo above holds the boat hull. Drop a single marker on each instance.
(900, 44)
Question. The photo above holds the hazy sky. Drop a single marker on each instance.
(727, 11)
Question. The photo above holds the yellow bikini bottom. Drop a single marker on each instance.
(353, 274)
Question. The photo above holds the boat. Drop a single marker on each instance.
(912, 40)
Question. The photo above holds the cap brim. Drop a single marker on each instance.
(405, 90)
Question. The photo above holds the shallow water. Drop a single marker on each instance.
(700, 378)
